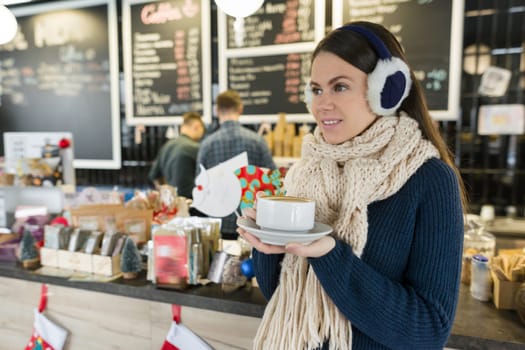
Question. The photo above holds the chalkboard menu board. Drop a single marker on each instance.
(430, 31)
(268, 62)
(256, 79)
(60, 74)
(277, 22)
(167, 64)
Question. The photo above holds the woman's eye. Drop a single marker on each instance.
(340, 87)
(316, 91)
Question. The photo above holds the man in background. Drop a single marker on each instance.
(230, 140)
(176, 162)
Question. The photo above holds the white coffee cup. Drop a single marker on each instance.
(285, 213)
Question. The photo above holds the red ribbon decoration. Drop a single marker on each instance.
(176, 310)
(43, 298)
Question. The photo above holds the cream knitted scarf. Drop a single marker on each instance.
(343, 180)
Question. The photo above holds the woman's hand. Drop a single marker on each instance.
(260, 246)
(315, 249)
(256, 242)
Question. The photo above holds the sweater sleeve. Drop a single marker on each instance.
(267, 269)
(416, 310)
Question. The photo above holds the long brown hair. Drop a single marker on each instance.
(357, 51)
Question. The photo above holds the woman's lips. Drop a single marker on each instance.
(330, 123)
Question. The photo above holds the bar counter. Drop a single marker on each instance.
(478, 325)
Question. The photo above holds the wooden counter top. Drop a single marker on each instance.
(478, 325)
(505, 226)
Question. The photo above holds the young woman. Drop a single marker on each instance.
(388, 276)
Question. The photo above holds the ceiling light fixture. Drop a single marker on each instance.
(239, 10)
(8, 25)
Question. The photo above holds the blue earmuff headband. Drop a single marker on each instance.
(377, 44)
(389, 83)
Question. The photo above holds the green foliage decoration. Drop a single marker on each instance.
(27, 247)
(130, 260)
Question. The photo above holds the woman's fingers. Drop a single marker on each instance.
(260, 246)
(315, 249)
(249, 212)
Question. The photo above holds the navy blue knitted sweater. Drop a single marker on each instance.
(402, 293)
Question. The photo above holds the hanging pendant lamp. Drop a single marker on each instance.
(8, 25)
(239, 10)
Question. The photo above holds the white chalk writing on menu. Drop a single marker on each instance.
(61, 72)
(434, 57)
(256, 78)
(277, 23)
(297, 67)
(271, 66)
(244, 71)
(373, 10)
(382, 12)
(155, 55)
(75, 68)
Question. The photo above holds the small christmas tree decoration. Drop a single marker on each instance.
(130, 260)
(28, 251)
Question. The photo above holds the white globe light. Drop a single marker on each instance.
(239, 8)
(8, 25)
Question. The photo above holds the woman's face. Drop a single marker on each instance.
(339, 102)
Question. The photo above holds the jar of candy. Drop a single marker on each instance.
(477, 240)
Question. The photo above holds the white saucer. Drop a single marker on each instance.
(283, 237)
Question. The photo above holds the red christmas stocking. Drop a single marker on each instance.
(46, 334)
(182, 338)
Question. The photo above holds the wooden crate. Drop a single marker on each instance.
(64, 259)
(49, 257)
(74, 261)
(106, 265)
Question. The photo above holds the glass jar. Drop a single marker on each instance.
(477, 240)
(480, 282)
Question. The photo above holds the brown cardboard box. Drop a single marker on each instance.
(504, 293)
